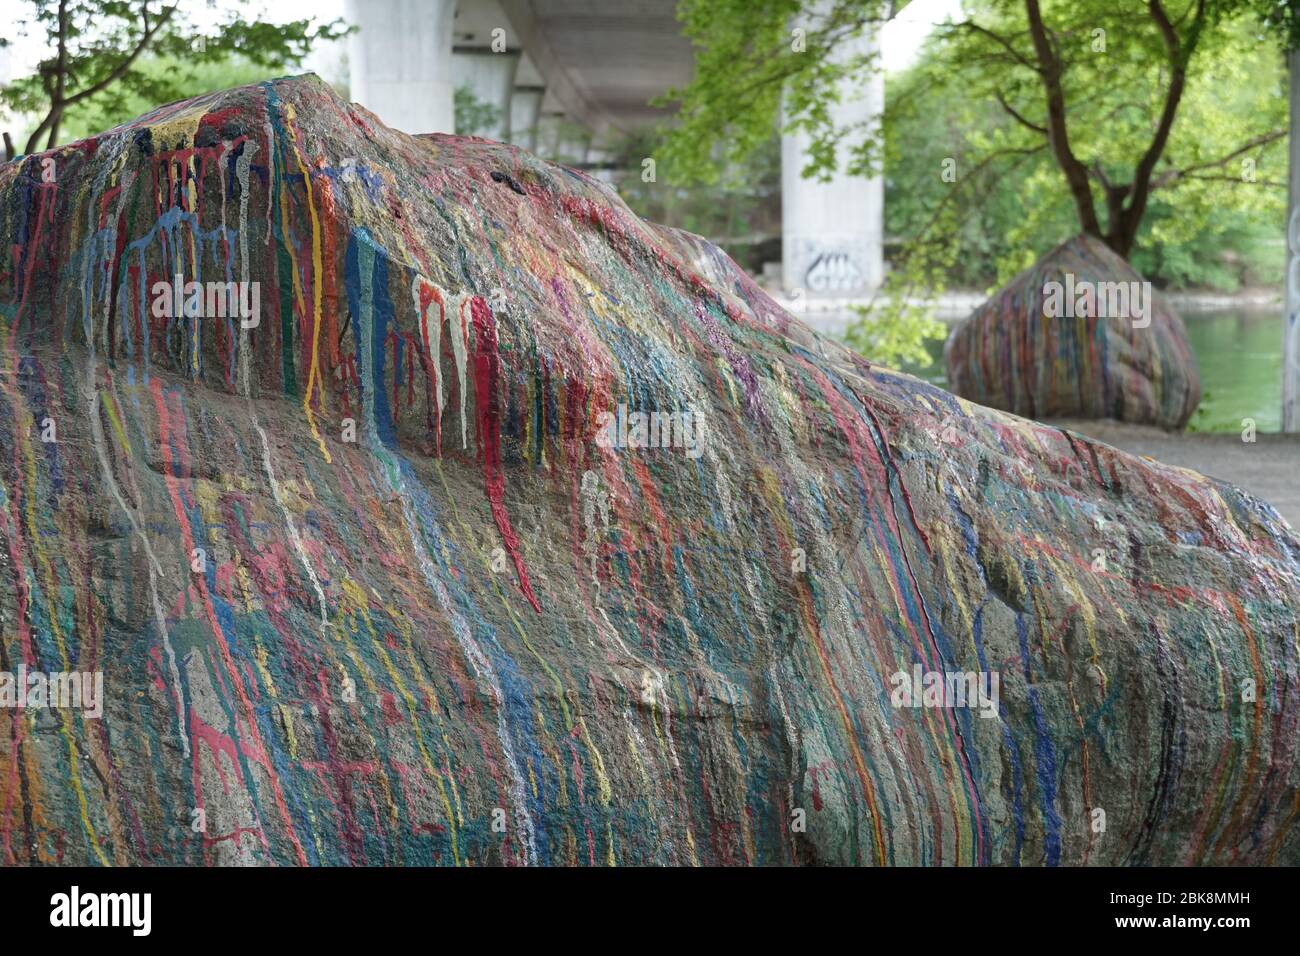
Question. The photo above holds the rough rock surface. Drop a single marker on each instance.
(1086, 354)
(477, 634)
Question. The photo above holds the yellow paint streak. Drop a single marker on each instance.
(286, 718)
(356, 594)
(317, 269)
(51, 588)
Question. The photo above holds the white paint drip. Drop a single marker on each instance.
(594, 499)
(241, 175)
(459, 348)
(431, 335)
(294, 537)
(270, 162)
(242, 166)
(154, 567)
(482, 668)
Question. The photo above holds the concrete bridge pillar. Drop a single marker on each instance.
(399, 62)
(833, 232)
(1291, 328)
(572, 147)
(560, 139)
(598, 163)
(548, 133)
(525, 114)
(490, 76)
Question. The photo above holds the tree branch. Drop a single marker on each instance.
(145, 39)
(1076, 175)
(54, 78)
(1017, 117)
(60, 76)
(1179, 55)
(1237, 180)
(999, 40)
(1173, 175)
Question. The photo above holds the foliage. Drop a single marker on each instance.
(740, 210)
(1210, 224)
(99, 113)
(1099, 84)
(1282, 18)
(474, 116)
(897, 340)
(764, 65)
(1156, 126)
(101, 51)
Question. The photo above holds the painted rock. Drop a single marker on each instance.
(1079, 334)
(377, 499)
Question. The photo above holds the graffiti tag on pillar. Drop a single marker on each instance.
(833, 272)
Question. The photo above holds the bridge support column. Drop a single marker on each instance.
(525, 114)
(399, 62)
(1291, 328)
(571, 143)
(548, 134)
(490, 76)
(832, 233)
(597, 161)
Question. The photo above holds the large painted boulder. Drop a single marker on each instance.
(1079, 334)
(496, 525)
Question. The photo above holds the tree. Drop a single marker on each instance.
(754, 61)
(1089, 48)
(741, 212)
(1282, 18)
(474, 116)
(1006, 201)
(99, 48)
(1045, 63)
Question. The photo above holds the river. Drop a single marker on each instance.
(1239, 351)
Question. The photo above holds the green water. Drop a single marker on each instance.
(1240, 355)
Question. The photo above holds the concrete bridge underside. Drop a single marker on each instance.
(569, 78)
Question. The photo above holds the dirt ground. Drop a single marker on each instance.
(1269, 468)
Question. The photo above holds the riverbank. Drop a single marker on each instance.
(1238, 349)
(1238, 342)
(831, 316)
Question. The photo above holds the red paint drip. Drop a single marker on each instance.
(428, 295)
(487, 369)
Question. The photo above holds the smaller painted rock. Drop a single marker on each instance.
(1078, 334)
